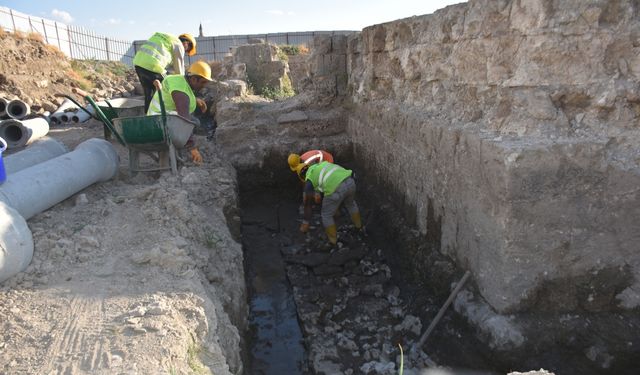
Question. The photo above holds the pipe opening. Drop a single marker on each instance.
(17, 110)
(12, 133)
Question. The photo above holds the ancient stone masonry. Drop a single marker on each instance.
(519, 121)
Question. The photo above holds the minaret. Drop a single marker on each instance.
(201, 35)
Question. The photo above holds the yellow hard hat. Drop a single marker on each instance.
(191, 40)
(294, 161)
(202, 69)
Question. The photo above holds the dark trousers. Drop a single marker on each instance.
(146, 78)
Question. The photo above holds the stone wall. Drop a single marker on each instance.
(518, 120)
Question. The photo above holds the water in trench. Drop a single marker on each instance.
(276, 345)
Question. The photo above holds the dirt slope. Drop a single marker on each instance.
(34, 72)
(136, 275)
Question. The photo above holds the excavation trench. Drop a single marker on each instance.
(315, 311)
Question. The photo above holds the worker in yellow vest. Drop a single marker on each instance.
(309, 157)
(338, 187)
(156, 54)
(179, 96)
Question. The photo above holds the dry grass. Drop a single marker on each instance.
(35, 37)
(54, 50)
(19, 34)
(84, 83)
(2, 32)
(303, 49)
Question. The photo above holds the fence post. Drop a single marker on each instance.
(287, 37)
(213, 39)
(58, 36)
(70, 45)
(106, 45)
(13, 21)
(44, 29)
(30, 25)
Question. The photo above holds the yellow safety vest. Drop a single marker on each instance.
(156, 53)
(171, 83)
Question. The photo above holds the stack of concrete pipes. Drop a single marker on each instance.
(68, 112)
(39, 177)
(17, 131)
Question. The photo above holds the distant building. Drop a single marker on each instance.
(201, 35)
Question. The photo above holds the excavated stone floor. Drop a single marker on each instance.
(351, 313)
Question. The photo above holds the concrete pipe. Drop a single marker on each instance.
(16, 242)
(43, 149)
(35, 189)
(61, 110)
(81, 115)
(18, 109)
(18, 133)
(3, 108)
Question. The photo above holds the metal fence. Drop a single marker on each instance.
(212, 48)
(74, 41)
(80, 43)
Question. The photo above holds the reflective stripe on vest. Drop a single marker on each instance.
(156, 53)
(326, 176)
(322, 179)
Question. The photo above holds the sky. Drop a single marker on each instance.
(138, 19)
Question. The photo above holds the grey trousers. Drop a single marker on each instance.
(345, 193)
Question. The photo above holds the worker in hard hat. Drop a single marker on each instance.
(309, 157)
(179, 96)
(156, 55)
(338, 187)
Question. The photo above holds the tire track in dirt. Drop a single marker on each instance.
(81, 347)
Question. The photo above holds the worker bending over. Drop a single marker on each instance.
(178, 94)
(156, 55)
(338, 187)
(309, 157)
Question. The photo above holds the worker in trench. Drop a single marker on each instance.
(338, 187)
(160, 52)
(309, 157)
(179, 96)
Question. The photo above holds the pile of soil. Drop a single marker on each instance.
(35, 72)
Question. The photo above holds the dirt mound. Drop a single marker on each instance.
(34, 72)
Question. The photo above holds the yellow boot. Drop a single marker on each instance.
(357, 221)
(332, 233)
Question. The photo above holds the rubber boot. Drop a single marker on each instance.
(357, 221)
(332, 234)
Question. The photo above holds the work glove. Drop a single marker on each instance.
(195, 156)
(304, 227)
(201, 105)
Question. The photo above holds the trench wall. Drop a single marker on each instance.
(517, 121)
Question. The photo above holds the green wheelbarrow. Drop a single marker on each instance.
(157, 136)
